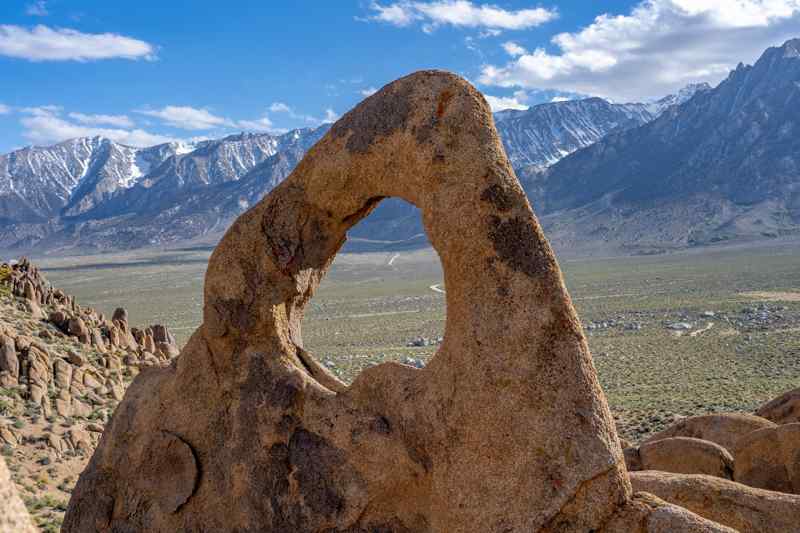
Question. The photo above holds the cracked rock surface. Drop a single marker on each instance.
(505, 430)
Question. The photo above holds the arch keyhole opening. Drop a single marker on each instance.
(382, 300)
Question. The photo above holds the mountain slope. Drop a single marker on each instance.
(537, 138)
(38, 183)
(546, 133)
(734, 149)
(93, 194)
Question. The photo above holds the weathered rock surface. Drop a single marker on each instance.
(13, 515)
(505, 430)
(785, 409)
(686, 455)
(770, 459)
(61, 375)
(724, 429)
(744, 508)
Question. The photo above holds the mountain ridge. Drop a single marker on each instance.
(734, 148)
(108, 196)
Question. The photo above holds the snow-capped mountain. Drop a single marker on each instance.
(658, 107)
(96, 194)
(546, 133)
(79, 176)
(37, 183)
(542, 135)
(106, 195)
(724, 165)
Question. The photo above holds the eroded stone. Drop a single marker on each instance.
(505, 430)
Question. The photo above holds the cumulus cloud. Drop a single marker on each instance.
(499, 103)
(42, 43)
(37, 9)
(120, 121)
(330, 116)
(513, 49)
(4, 109)
(187, 118)
(41, 110)
(657, 48)
(458, 13)
(369, 91)
(280, 107)
(261, 124)
(45, 125)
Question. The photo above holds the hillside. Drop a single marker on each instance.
(63, 370)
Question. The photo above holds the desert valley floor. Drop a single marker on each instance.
(671, 335)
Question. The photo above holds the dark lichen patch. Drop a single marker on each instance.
(280, 224)
(380, 115)
(264, 387)
(498, 197)
(316, 464)
(519, 245)
(232, 314)
(381, 425)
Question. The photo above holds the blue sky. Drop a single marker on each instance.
(144, 72)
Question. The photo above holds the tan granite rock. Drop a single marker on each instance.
(785, 409)
(13, 515)
(770, 459)
(686, 455)
(724, 429)
(741, 507)
(506, 430)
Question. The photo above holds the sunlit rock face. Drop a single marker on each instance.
(505, 430)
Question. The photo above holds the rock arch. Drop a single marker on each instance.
(506, 429)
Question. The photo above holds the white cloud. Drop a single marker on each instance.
(499, 103)
(37, 9)
(42, 43)
(659, 47)
(557, 99)
(330, 116)
(44, 126)
(513, 49)
(489, 33)
(261, 124)
(4, 109)
(120, 121)
(458, 13)
(186, 117)
(369, 91)
(280, 107)
(41, 110)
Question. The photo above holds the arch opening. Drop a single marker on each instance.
(382, 300)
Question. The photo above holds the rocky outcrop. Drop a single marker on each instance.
(505, 430)
(770, 459)
(785, 409)
(13, 515)
(63, 369)
(90, 328)
(725, 429)
(684, 455)
(741, 507)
